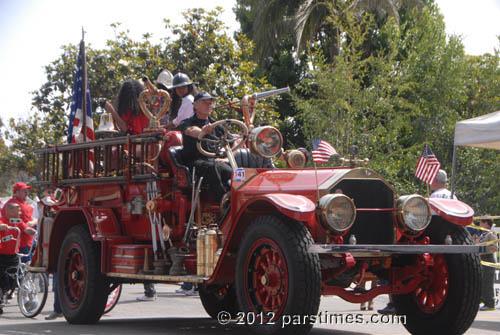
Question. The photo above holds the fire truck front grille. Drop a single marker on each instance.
(370, 195)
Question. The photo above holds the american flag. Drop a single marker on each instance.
(321, 150)
(75, 133)
(428, 166)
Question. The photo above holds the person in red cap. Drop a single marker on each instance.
(20, 197)
(8, 258)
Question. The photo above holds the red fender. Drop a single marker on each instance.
(294, 206)
(454, 211)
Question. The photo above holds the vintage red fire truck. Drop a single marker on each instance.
(281, 238)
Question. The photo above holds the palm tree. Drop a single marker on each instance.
(312, 16)
(307, 20)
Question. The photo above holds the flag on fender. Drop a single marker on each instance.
(75, 132)
(428, 166)
(322, 150)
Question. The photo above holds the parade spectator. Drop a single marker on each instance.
(488, 273)
(389, 308)
(439, 186)
(50, 203)
(370, 302)
(20, 197)
(11, 217)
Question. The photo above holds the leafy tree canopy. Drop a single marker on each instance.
(199, 47)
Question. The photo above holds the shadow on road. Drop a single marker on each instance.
(165, 326)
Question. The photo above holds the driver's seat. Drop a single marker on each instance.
(180, 170)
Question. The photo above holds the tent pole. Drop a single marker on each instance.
(453, 170)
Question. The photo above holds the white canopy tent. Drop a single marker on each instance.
(479, 132)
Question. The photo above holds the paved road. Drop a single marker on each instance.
(174, 313)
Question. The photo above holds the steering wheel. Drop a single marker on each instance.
(223, 141)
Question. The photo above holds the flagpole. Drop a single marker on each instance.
(317, 184)
(84, 87)
(427, 150)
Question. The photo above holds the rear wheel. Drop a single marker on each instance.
(277, 280)
(447, 301)
(32, 293)
(81, 287)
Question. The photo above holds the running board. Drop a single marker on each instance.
(163, 278)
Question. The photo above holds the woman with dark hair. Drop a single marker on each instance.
(129, 117)
(183, 91)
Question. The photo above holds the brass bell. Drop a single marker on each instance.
(106, 125)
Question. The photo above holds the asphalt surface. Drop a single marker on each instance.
(174, 313)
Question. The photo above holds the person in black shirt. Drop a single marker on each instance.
(216, 172)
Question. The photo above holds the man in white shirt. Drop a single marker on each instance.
(439, 186)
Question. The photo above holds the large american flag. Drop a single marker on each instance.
(321, 150)
(75, 133)
(428, 166)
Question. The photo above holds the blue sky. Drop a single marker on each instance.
(32, 32)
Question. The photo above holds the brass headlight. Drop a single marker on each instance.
(295, 158)
(337, 212)
(414, 213)
(265, 141)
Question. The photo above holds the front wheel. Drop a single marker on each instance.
(82, 288)
(32, 293)
(448, 300)
(218, 298)
(277, 280)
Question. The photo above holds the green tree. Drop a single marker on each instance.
(310, 22)
(224, 66)
(391, 101)
(199, 47)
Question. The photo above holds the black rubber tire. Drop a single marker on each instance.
(462, 300)
(111, 304)
(303, 289)
(217, 298)
(36, 278)
(88, 307)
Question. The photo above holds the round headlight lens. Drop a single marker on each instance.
(295, 158)
(266, 141)
(337, 212)
(414, 212)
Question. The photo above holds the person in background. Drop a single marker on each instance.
(11, 217)
(389, 308)
(439, 186)
(370, 302)
(488, 273)
(20, 197)
(50, 202)
(164, 80)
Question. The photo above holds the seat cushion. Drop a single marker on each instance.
(244, 158)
